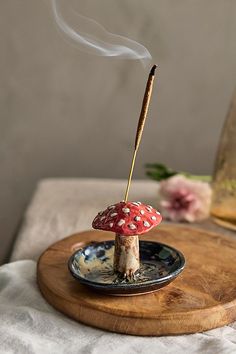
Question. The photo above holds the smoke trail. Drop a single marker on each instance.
(91, 37)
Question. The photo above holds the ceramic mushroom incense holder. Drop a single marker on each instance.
(128, 266)
(127, 220)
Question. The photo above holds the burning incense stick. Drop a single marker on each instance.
(141, 123)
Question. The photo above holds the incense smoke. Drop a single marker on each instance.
(92, 37)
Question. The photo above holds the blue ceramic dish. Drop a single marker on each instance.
(92, 265)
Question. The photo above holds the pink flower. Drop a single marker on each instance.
(182, 199)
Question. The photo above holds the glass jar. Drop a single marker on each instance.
(223, 209)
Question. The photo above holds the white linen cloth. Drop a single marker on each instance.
(28, 324)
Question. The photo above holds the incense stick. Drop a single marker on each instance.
(141, 123)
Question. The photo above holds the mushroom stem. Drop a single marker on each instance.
(126, 256)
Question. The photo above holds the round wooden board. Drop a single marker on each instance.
(201, 298)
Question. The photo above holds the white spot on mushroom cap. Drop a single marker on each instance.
(102, 218)
(146, 224)
(139, 203)
(137, 218)
(153, 217)
(126, 210)
(121, 222)
(157, 212)
(111, 207)
(111, 224)
(135, 203)
(113, 214)
(148, 209)
(132, 226)
(142, 212)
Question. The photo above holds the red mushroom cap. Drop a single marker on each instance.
(127, 218)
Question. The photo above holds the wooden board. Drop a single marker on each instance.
(201, 298)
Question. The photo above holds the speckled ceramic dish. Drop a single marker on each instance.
(93, 266)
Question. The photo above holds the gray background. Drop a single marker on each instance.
(67, 113)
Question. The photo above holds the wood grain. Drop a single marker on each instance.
(201, 298)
